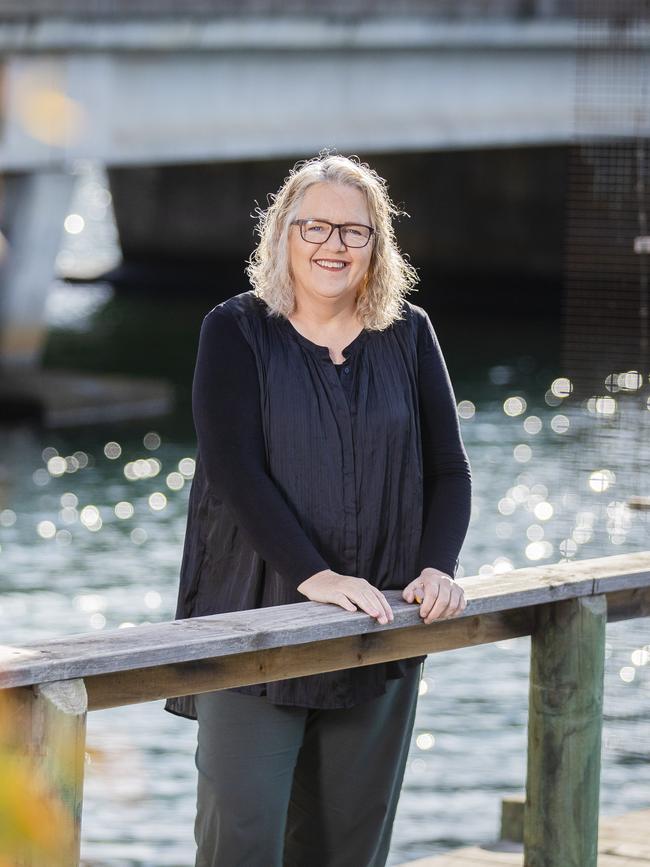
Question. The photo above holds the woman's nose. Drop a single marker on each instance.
(335, 241)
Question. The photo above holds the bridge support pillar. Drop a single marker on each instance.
(33, 209)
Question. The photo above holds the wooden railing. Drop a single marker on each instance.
(564, 607)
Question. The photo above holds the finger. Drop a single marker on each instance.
(440, 605)
(408, 593)
(414, 591)
(342, 600)
(375, 603)
(430, 596)
(388, 611)
(457, 602)
(367, 602)
(460, 603)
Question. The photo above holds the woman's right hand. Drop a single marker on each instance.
(347, 591)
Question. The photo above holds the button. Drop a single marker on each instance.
(346, 370)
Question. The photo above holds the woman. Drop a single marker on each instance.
(330, 467)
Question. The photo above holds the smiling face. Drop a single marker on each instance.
(329, 270)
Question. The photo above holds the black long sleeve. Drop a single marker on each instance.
(447, 473)
(227, 418)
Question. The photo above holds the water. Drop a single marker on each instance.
(68, 568)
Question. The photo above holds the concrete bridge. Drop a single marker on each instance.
(167, 94)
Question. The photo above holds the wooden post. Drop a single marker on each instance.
(52, 736)
(512, 818)
(564, 733)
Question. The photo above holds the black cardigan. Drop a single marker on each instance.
(233, 474)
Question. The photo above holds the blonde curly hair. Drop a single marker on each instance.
(390, 275)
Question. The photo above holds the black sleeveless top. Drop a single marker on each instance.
(359, 468)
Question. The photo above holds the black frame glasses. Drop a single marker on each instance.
(339, 226)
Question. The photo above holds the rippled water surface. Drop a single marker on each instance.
(91, 530)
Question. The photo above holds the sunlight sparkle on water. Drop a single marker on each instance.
(602, 405)
(466, 409)
(142, 468)
(175, 481)
(97, 621)
(89, 602)
(560, 423)
(68, 515)
(551, 399)
(41, 477)
(71, 464)
(7, 518)
(157, 501)
(138, 535)
(513, 406)
(568, 547)
(600, 480)
(543, 511)
(506, 505)
(522, 453)
(630, 380)
(582, 535)
(74, 224)
(56, 466)
(539, 550)
(152, 599)
(187, 467)
(535, 533)
(46, 529)
(112, 450)
(151, 441)
(90, 518)
(533, 424)
(519, 493)
(64, 537)
(561, 387)
(124, 510)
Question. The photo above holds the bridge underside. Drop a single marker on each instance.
(197, 119)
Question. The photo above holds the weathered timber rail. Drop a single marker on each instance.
(564, 607)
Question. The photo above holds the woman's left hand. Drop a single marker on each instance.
(439, 595)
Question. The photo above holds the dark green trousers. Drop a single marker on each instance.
(299, 787)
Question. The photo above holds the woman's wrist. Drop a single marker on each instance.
(322, 574)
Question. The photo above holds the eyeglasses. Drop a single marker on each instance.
(319, 231)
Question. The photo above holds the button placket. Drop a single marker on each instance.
(343, 401)
(345, 413)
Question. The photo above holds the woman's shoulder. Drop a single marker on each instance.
(414, 313)
(413, 320)
(421, 326)
(235, 317)
(243, 304)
